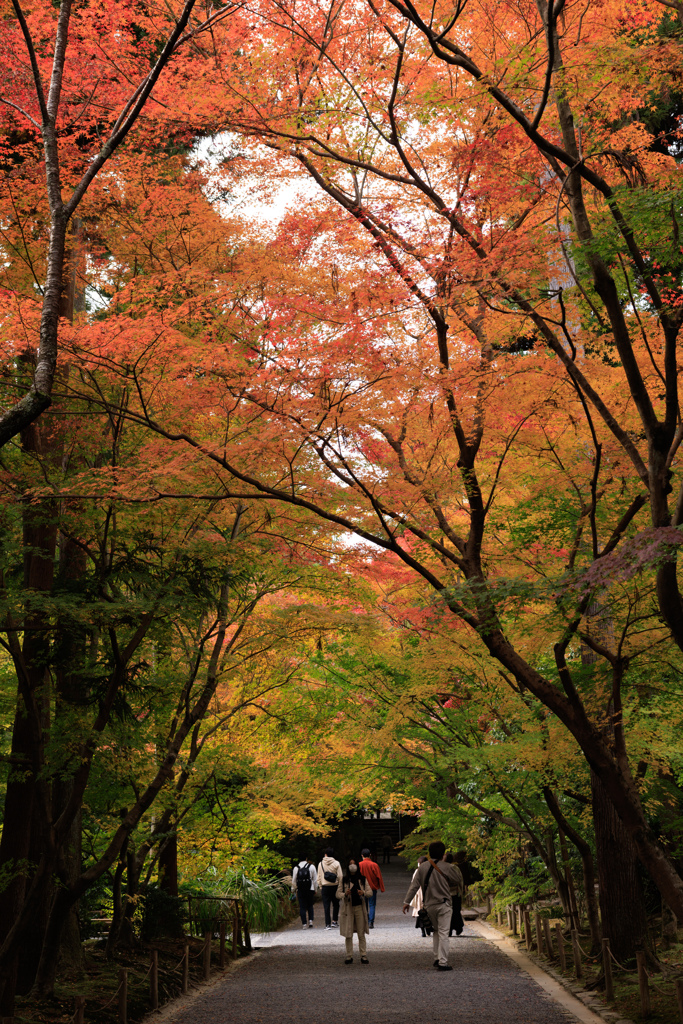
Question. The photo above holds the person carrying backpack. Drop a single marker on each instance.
(329, 879)
(304, 884)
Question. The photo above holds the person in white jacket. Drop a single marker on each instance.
(329, 880)
(416, 902)
(304, 884)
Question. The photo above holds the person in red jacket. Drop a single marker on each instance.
(371, 871)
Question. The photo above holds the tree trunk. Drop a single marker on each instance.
(22, 808)
(168, 866)
(16, 836)
(70, 658)
(622, 903)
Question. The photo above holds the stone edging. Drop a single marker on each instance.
(593, 1002)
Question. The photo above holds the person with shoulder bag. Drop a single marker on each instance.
(436, 878)
(329, 880)
(353, 893)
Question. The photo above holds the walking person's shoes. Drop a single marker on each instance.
(310, 924)
(304, 926)
(372, 924)
(328, 927)
(444, 967)
(349, 960)
(364, 960)
(335, 924)
(436, 963)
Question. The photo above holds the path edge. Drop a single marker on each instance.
(553, 985)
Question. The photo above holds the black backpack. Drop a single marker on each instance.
(303, 877)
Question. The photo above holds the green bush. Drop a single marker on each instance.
(265, 899)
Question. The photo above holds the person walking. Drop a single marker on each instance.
(435, 877)
(353, 893)
(372, 873)
(457, 924)
(304, 884)
(329, 880)
(387, 849)
(416, 902)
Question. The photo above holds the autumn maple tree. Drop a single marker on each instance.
(458, 344)
(500, 269)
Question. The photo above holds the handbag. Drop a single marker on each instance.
(424, 921)
(330, 876)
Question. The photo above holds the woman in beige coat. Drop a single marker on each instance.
(353, 892)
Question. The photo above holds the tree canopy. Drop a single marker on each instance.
(341, 429)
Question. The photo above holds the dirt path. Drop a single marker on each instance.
(299, 977)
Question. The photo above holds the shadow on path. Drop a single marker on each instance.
(299, 977)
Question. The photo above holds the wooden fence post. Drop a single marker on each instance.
(560, 947)
(488, 905)
(527, 928)
(235, 930)
(207, 956)
(678, 985)
(513, 915)
(643, 984)
(221, 943)
(123, 996)
(154, 981)
(247, 935)
(548, 939)
(607, 968)
(499, 916)
(539, 936)
(576, 949)
(79, 1009)
(186, 969)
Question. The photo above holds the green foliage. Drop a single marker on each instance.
(264, 899)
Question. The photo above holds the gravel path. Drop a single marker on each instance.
(299, 977)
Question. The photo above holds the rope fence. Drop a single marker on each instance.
(240, 940)
(543, 942)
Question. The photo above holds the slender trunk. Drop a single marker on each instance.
(558, 878)
(587, 863)
(574, 920)
(134, 865)
(117, 901)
